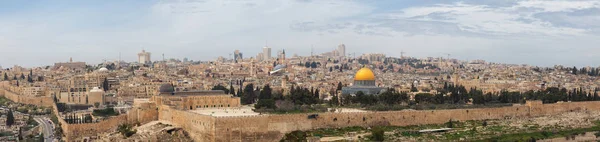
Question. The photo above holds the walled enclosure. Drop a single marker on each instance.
(273, 127)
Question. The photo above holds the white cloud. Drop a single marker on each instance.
(558, 6)
(483, 19)
(206, 29)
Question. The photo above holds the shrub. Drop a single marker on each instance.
(377, 134)
(126, 130)
(105, 112)
(295, 136)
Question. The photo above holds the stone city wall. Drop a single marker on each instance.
(31, 100)
(273, 127)
(200, 127)
(142, 114)
(76, 132)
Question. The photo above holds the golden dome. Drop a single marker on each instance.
(364, 74)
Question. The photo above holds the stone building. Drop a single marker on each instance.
(194, 99)
(70, 65)
(364, 81)
(144, 57)
(95, 95)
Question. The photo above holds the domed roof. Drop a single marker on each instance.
(96, 89)
(103, 69)
(166, 88)
(364, 74)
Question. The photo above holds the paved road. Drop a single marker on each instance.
(48, 128)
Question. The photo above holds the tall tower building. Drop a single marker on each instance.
(144, 57)
(341, 50)
(237, 55)
(283, 57)
(266, 53)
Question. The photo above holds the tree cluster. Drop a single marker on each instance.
(74, 119)
(585, 71)
(389, 97)
(220, 87)
(312, 64)
(126, 130)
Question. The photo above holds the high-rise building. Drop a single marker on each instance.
(266, 53)
(237, 55)
(144, 57)
(341, 50)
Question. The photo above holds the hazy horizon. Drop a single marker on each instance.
(539, 33)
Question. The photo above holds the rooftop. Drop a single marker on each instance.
(237, 111)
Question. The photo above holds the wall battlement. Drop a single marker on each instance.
(272, 127)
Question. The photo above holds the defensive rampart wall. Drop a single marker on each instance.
(32, 100)
(273, 127)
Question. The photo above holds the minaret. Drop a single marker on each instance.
(283, 57)
(71, 59)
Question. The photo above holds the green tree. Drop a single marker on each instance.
(450, 124)
(391, 97)
(266, 93)
(334, 101)
(22, 76)
(265, 103)
(10, 118)
(423, 98)
(29, 79)
(413, 88)
(265, 98)
(220, 87)
(377, 134)
(249, 96)
(105, 85)
(231, 90)
(126, 130)
(339, 86)
(294, 136)
(5, 76)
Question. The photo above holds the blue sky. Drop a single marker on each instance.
(544, 33)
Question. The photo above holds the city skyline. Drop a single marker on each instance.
(541, 33)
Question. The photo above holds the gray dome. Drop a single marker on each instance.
(166, 88)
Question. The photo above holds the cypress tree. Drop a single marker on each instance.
(29, 79)
(10, 118)
(105, 85)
